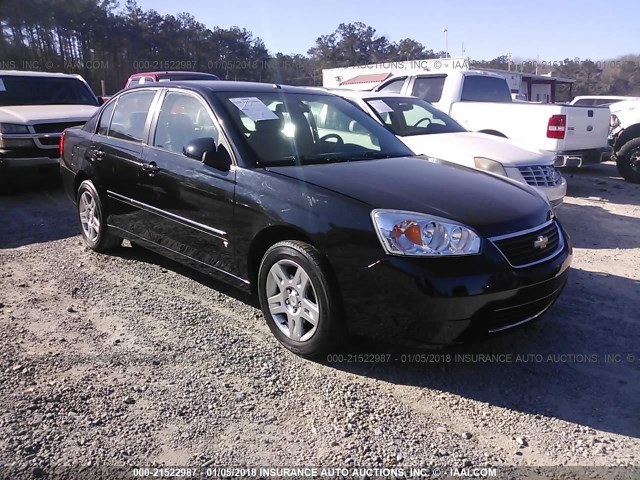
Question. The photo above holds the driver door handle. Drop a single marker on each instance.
(151, 168)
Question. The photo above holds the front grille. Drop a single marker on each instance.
(54, 127)
(49, 141)
(541, 175)
(522, 249)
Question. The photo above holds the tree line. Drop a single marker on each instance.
(105, 44)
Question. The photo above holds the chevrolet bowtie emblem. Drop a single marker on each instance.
(541, 242)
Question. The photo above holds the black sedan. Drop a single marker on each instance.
(337, 229)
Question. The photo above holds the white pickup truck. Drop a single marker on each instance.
(481, 102)
(35, 107)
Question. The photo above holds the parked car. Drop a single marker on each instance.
(598, 100)
(625, 138)
(336, 231)
(481, 102)
(168, 76)
(35, 108)
(426, 130)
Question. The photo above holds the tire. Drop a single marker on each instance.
(92, 221)
(628, 161)
(295, 272)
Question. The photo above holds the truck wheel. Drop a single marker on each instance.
(628, 161)
(93, 223)
(299, 300)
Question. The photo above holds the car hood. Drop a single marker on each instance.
(464, 146)
(32, 114)
(491, 204)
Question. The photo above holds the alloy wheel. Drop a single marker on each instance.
(292, 300)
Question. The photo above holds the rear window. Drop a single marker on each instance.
(27, 90)
(480, 88)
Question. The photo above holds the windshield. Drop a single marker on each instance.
(407, 116)
(301, 129)
(26, 90)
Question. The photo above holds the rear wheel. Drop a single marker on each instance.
(628, 161)
(299, 301)
(91, 218)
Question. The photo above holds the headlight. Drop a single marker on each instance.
(490, 166)
(13, 128)
(418, 234)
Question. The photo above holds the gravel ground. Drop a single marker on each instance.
(130, 359)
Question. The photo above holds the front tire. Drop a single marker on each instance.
(298, 299)
(628, 161)
(92, 220)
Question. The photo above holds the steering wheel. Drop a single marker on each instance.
(339, 140)
(422, 120)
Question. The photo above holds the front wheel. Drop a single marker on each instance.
(299, 302)
(93, 224)
(628, 161)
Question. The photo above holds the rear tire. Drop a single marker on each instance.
(92, 220)
(628, 161)
(298, 299)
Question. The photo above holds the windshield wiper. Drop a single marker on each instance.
(377, 155)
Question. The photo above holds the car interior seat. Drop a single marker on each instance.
(268, 140)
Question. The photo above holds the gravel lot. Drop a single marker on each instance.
(128, 359)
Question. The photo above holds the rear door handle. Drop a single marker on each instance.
(151, 168)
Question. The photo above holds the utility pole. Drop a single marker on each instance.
(446, 42)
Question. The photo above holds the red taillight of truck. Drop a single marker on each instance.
(557, 126)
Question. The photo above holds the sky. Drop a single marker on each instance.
(544, 30)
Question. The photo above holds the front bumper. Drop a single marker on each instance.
(28, 163)
(580, 158)
(443, 301)
(555, 194)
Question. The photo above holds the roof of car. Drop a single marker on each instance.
(175, 72)
(230, 86)
(27, 73)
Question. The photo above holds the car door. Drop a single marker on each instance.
(115, 154)
(192, 203)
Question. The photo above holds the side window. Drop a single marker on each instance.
(394, 86)
(105, 119)
(429, 88)
(130, 115)
(182, 118)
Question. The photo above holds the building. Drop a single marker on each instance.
(524, 86)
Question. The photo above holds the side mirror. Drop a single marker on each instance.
(355, 127)
(204, 149)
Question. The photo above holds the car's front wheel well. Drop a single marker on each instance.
(263, 241)
(628, 134)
